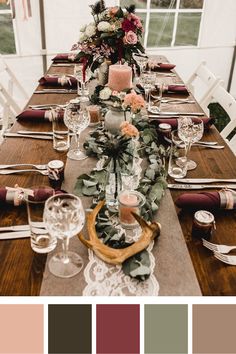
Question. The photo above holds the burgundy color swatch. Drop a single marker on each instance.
(118, 329)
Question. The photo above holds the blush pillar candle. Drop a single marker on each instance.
(120, 77)
(129, 202)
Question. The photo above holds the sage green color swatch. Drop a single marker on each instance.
(166, 329)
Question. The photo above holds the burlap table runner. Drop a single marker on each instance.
(174, 270)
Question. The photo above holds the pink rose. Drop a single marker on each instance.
(130, 38)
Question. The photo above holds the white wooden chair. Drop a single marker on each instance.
(228, 103)
(207, 78)
(12, 95)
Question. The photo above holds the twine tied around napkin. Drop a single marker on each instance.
(227, 199)
(51, 114)
(16, 195)
(64, 80)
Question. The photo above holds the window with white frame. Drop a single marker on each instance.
(169, 23)
(7, 36)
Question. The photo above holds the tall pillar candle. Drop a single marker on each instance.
(120, 77)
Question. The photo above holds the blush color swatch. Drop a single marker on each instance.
(166, 329)
(118, 329)
(21, 329)
(214, 329)
(69, 329)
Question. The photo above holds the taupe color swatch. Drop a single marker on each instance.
(166, 329)
(214, 329)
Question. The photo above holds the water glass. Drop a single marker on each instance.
(64, 218)
(130, 202)
(40, 239)
(61, 138)
(177, 162)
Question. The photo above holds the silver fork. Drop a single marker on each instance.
(225, 259)
(11, 172)
(38, 167)
(217, 248)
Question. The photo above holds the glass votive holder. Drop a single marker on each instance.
(95, 115)
(129, 202)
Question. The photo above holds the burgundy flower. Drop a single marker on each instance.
(128, 26)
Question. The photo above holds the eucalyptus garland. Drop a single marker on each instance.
(103, 145)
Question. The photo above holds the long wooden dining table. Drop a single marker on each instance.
(22, 270)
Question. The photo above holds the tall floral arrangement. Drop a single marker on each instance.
(113, 35)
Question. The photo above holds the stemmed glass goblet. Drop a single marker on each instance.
(142, 61)
(64, 218)
(81, 81)
(76, 118)
(190, 130)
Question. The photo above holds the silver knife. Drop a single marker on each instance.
(63, 64)
(161, 113)
(14, 235)
(16, 135)
(31, 132)
(205, 180)
(200, 186)
(55, 91)
(14, 228)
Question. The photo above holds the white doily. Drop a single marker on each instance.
(107, 280)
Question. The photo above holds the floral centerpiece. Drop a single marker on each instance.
(113, 35)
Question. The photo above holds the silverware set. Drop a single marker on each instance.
(206, 144)
(200, 186)
(9, 169)
(220, 252)
(47, 106)
(164, 114)
(55, 91)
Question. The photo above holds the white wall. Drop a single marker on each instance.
(64, 18)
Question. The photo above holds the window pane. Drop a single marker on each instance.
(160, 29)
(188, 29)
(163, 4)
(7, 39)
(4, 7)
(143, 18)
(191, 4)
(140, 4)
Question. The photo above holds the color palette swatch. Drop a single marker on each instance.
(21, 329)
(118, 329)
(69, 329)
(166, 329)
(214, 329)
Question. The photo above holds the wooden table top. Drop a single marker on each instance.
(22, 269)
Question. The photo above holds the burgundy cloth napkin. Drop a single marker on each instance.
(197, 201)
(162, 67)
(53, 81)
(176, 89)
(9, 195)
(207, 121)
(64, 58)
(36, 114)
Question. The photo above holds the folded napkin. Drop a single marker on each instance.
(16, 196)
(224, 199)
(39, 114)
(58, 81)
(176, 89)
(65, 58)
(161, 66)
(207, 121)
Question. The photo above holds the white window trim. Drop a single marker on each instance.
(177, 10)
(5, 12)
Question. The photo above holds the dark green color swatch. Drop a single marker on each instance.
(166, 329)
(69, 329)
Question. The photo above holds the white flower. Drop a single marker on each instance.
(83, 28)
(104, 26)
(90, 30)
(82, 37)
(105, 93)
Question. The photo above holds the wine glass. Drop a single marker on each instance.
(142, 62)
(76, 118)
(64, 218)
(190, 130)
(81, 80)
(147, 81)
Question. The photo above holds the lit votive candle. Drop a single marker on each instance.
(129, 202)
(120, 77)
(95, 114)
